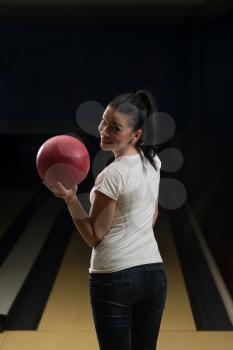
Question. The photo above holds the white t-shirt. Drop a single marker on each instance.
(130, 241)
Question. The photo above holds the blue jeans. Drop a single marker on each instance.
(127, 306)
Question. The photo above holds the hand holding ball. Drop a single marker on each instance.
(63, 158)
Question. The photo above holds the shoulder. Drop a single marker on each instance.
(110, 182)
(112, 172)
(113, 168)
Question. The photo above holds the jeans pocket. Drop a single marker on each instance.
(109, 284)
(120, 284)
(100, 284)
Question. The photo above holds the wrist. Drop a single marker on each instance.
(70, 199)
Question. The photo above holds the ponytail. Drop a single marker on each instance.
(140, 109)
(147, 143)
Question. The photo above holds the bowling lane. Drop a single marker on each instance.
(2, 338)
(71, 340)
(68, 307)
(11, 204)
(19, 262)
(178, 312)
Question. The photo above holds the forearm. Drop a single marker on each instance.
(82, 221)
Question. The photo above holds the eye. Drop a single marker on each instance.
(113, 128)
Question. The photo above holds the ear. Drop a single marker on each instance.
(138, 134)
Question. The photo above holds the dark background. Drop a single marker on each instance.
(54, 58)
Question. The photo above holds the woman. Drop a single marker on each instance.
(126, 276)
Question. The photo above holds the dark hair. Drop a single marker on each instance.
(140, 108)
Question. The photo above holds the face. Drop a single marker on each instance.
(115, 132)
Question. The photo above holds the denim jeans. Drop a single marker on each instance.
(127, 306)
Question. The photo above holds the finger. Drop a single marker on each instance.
(51, 188)
(60, 186)
(47, 185)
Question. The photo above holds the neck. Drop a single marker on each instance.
(126, 152)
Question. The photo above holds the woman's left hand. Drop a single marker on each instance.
(60, 191)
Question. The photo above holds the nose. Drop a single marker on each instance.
(102, 131)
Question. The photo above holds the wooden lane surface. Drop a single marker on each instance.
(81, 340)
(178, 313)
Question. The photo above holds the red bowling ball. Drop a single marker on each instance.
(63, 158)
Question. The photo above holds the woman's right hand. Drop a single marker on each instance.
(61, 192)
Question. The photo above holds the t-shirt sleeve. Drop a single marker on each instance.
(110, 183)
